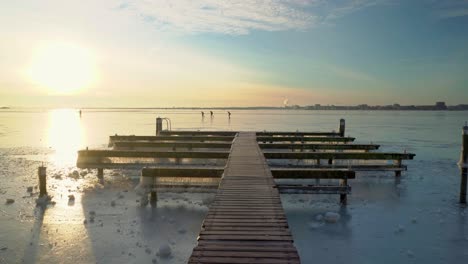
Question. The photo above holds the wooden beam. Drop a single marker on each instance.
(152, 154)
(198, 133)
(196, 172)
(115, 138)
(339, 155)
(360, 167)
(152, 144)
(300, 173)
(297, 134)
(303, 139)
(314, 189)
(318, 146)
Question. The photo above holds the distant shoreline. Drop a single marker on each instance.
(335, 108)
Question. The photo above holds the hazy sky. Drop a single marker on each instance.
(232, 52)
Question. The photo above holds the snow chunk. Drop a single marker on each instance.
(400, 229)
(315, 225)
(319, 217)
(331, 217)
(164, 251)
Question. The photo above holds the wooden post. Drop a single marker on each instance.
(344, 196)
(342, 127)
(41, 172)
(100, 173)
(330, 161)
(464, 164)
(153, 197)
(318, 162)
(398, 172)
(158, 126)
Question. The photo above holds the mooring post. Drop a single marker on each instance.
(398, 164)
(153, 197)
(100, 173)
(42, 180)
(330, 161)
(342, 127)
(464, 164)
(158, 126)
(344, 196)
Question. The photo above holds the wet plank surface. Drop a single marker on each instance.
(246, 222)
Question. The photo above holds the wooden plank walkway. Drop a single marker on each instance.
(246, 222)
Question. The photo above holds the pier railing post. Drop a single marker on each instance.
(342, 127)
(42, 173)
(464, 164)
(158, 126)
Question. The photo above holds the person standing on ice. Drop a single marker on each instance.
(211, 113)
(202, 114)
(229, 115)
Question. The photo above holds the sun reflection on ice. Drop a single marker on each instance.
(65, 135)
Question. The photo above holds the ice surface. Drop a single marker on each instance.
(365, 232)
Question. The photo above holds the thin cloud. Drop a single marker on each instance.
(239, 17)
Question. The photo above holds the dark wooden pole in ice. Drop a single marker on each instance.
(464, 164)
(342, 127)
(42, 173)
(158, 126)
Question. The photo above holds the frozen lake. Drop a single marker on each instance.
(414, 220)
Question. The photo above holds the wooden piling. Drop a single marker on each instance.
(398, 164)
(100, 173)
(153, 197)
(158, 126)
(42, 180)
(344, 196)
(464, 165)
(342, 127)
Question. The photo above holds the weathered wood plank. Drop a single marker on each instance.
(339, 155)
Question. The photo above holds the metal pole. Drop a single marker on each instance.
(464, 164)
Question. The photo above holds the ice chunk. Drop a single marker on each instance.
(71, 197)
(29, 189)
(400, 229)
(182, 231)
(319, 217)
(315, 225)
(331, 217)
(410, 253)
(414, 220)
(164, 251)
(10, 201)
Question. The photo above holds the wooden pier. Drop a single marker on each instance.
(246, 222)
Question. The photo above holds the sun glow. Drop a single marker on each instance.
(63, 68)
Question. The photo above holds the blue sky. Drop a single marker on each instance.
(214, 53)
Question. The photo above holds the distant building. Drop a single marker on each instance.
(441, 106)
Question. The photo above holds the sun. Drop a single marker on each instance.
(62, 68)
